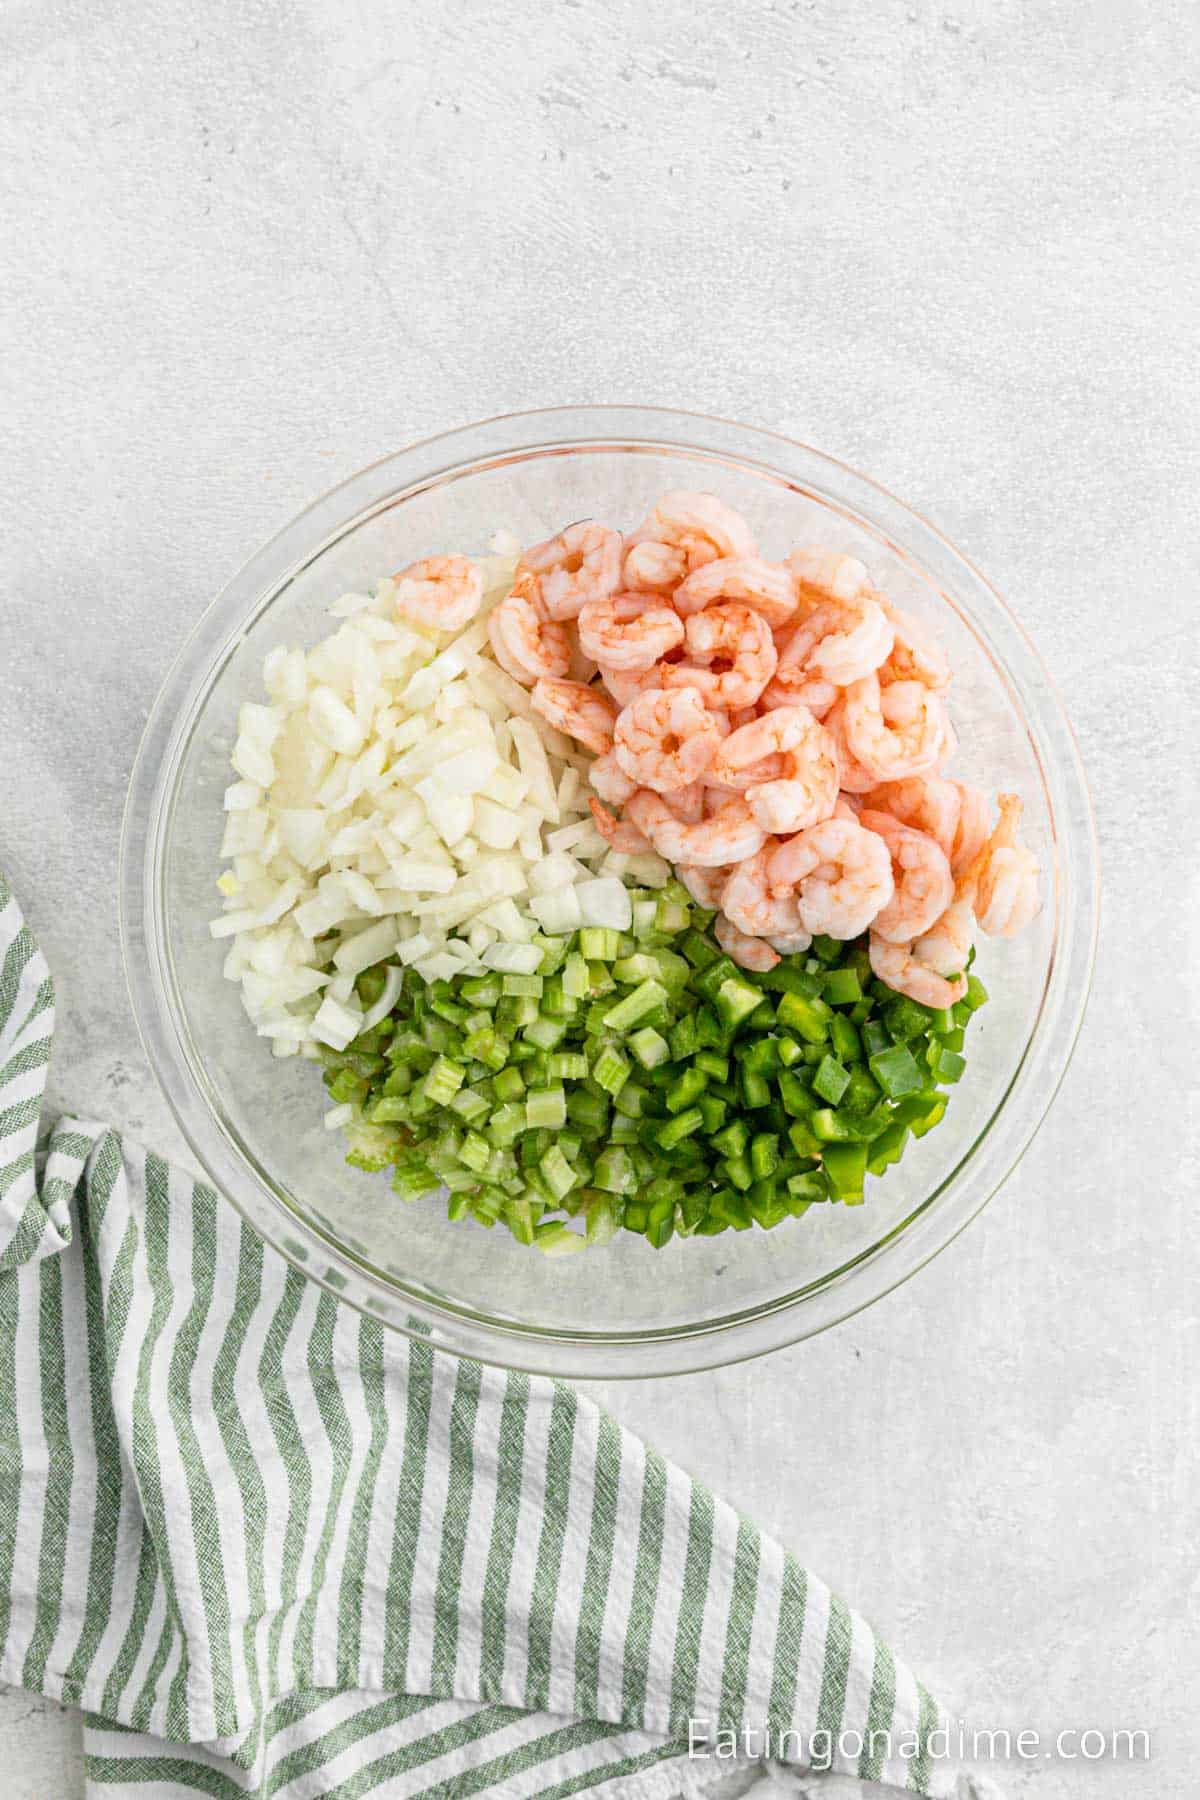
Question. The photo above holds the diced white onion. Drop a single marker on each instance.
(355, 954)
(605, 902)
(513, 959)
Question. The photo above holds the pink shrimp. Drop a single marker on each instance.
(688, 803)
(902, 729)
(628, 631)
(653, 568)
(619, 834)
(746, 951)
(728, 837)
(841, 875)
(924, 886)
(802, 787)
(972, 827)
(731, 656)
(610, 781)
(841, 642)
(767, 588)
(823, 575)
(1006, 874)
(664, 739)
(926, 802)
(792, 683)
(916, 654)
(626, 684)
(698, 524)
(440, 592)
(704, 885)
(582, 563)
(584, 713)
(525, 643)
(748, 902)
(852, 777)
(897, 966)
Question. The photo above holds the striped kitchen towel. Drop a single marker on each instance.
(274, 1549)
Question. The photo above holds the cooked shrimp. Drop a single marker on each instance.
(902, 729)
(584, 713)
(802, 786)
(582, 563)
(664, 740)
(852, 777)
(731, 656)
(916, 654)
(924, 886)
(610, 781)
(931, 968)
(792, 683)
(653, 568)
(972, 827)
(700, 525)
(747, 952)
(704, 885)
(822, 575)
(927, 803)
(688, 803)
(945, 947)
(619, 834)
(525, 643)
(840, 642)
(442, 592)
(1006, 893)
(626, 684)
(728, 837)
(841, 875)
(898, 968)
(747, 900)
(628, 631)
(767, 588)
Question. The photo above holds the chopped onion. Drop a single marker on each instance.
(399, 799)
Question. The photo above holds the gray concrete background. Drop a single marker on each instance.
(252, 246)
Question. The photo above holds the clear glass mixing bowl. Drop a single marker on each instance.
(256, 1123)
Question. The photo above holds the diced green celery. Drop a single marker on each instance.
(508, 1084)
(545, 1034)
(476, 1152)
(557, 1172)
(470, 1105)
(599, 943)
(546, 1107)
(443, 1081)
(615, 1172)
(487, 1047)
(644, 999)
(610, 1069)
(524, 984)
(649, 1047)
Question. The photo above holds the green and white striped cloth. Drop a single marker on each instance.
(273, 1549)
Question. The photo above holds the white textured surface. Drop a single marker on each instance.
(255, 245)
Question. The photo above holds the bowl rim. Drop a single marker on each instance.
(750, 1331)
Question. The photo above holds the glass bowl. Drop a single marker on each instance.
(256, 1122)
